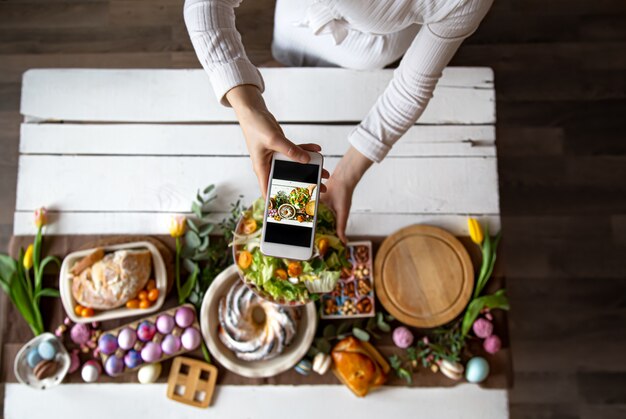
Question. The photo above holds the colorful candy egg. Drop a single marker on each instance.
(146, 331)
(492, 344)
(91, 371)
(107, 344)
(303, 367)
(33, 358)
(476, 370)
(132, 359)
(114, 366)
(126, 338)
(165, 324)
(47, 350)
(190, 338)
(80, 333)
(171, 344)
(402, 337)
(151, 352)
(184, 317)
(149, 373)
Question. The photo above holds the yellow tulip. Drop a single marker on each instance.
(178, 224)
(28, 257)
(41, 217)
(475, 231)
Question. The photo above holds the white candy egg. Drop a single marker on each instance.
(149, 373)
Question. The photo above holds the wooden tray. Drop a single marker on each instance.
(423, 276)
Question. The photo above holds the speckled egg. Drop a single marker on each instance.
(132, 359)
(114, 366)
(184, 317)
(476, 370)
(107, 344)
(126, 338)
(165, 324)
(171, 344)
(146, 331)
(149, 373)
(151, 352)
(80, 333)
(33, 358)
(190, 338)
(46, 349)
(91, 371)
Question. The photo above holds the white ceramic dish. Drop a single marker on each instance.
(159, 274)
(24, 372)
(209, 323)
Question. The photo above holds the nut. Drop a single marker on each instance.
(364, 286)
(364, 305)
(348, 308)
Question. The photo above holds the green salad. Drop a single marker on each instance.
(288, 281)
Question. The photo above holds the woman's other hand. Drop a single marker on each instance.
(264, 135)
(341, 185)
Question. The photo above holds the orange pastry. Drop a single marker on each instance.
(359, 365)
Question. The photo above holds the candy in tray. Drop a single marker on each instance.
(353, 296)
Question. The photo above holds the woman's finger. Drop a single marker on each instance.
(289, 149)
(311, 147)
(325, 174)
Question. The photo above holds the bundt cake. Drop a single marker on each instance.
(255, 329)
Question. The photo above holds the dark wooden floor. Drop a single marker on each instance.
(561, 100)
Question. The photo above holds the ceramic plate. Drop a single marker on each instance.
(159, 274)
(209, 322)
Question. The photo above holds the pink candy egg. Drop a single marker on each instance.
(170, 344)
(126, 338)
(165, 324)
(402, 337)
(80, 333)
(114, 366)
(146, 331)
(190, 338)
(74, 362)
(151, 352)
(107, 344)
(184, 317)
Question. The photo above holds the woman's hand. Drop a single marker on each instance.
(341, 185)
(264, 135)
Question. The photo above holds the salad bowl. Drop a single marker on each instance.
(282, 281)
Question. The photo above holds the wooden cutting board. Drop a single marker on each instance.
(423, 276)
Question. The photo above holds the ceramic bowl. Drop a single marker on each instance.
(24, 372)
(159, 274)
(209, 323)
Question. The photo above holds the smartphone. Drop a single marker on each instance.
(291, 207)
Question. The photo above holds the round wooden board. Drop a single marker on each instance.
(423, 276)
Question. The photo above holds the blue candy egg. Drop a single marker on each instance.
(33, 358)
(303, 367)
(46, 350)
(132, 359)
(476, 370)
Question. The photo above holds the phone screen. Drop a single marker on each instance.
(291, 208)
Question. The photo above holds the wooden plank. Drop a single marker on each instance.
(262, 400)
(359, 223)
(137, 183)
(463, 96)
(228, 140)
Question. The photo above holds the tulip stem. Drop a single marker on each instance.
(178, 250)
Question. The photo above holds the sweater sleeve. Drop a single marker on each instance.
(211, 26)
(413, 82)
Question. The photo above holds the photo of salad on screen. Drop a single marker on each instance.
(291, 203)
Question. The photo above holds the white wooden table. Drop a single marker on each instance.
(119, 151)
